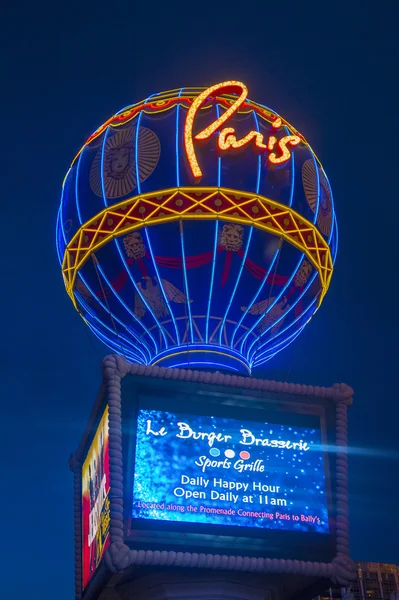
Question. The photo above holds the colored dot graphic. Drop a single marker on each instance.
(229, 454)
(214, 452)
(244, 455)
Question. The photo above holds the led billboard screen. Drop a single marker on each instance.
(236, 472)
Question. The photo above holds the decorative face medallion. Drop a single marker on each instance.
(113, 173)
(231, 238)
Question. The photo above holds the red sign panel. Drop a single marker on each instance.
(95, 501)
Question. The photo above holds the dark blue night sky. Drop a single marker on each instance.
(330, 69)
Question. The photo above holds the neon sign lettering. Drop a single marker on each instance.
(227, 139)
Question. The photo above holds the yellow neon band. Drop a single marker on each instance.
(194, 351)
(202, 203)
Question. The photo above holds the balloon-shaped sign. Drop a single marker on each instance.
(197, 228)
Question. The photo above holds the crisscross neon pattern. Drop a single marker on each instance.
(197, 203)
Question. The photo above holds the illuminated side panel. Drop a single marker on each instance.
(95, 501)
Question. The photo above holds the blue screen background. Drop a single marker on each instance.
(170, 486)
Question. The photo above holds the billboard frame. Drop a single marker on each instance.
(257, 541)
(118, 556)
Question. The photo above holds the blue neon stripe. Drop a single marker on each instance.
(306, 316)
(77, 185)
(113, 346)
(102, 166)
(210, 364)
(121, 301)
(136, 153)
(334, 227)
(57, 222)
(177, 142)
(194, 347)
(57, 236)
(333, 239)
(128, 107)
(282, 344)
(278, 249)
(62, 207)
(280, 332)
(259, 157)
(162, 290)
(255, 297)
(185, 281)
(278, 347)
(334, 223)
(126, 267)
(219, 159)
(316, 214)
(93, 295)
(236, 284)
(333, 232)
(136, 150)
(215, 245)
(270, 307)
(257, 363)
(92, 314)
(283, 317)
(273, 350)
(110, 340)
(292, 173)
(140, 340)
(336, 239)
